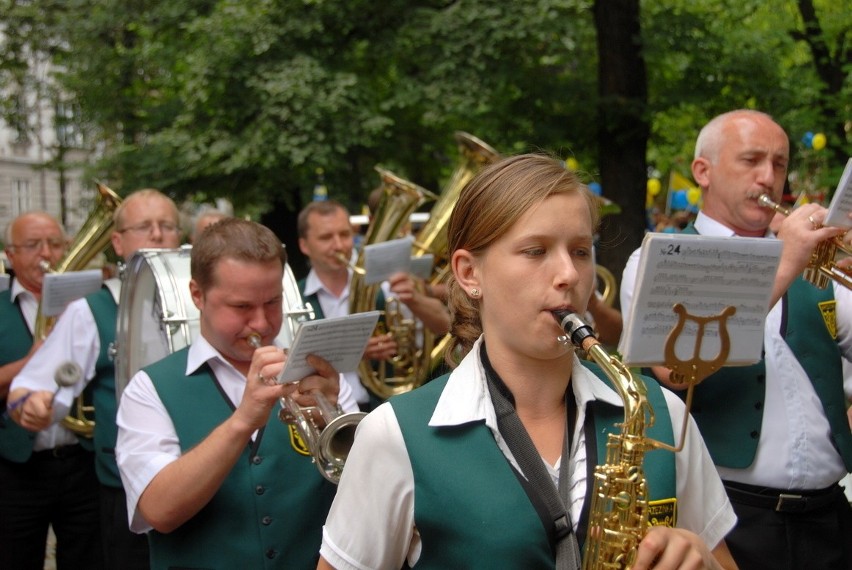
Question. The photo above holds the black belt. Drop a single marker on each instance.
(61, 452)
(782, 501)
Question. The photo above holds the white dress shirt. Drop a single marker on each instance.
(39, 371)
(147, 440)
(795, 450)
(371, 522)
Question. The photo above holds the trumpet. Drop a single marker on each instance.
(822, 265)
(327, 432)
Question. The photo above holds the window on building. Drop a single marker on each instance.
(21, 196)
(19, 121)
(68, 131)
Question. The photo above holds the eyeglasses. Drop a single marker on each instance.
(147, 228)
(54, 244)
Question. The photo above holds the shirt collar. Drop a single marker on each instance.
(18, 289)
(466, 399)
(314, 285)
(709, 227)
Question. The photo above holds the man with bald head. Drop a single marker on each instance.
(776, 430)
(47, 478)
(83, 334)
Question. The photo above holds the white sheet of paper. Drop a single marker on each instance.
(421, 266)
(5, 281)
(705, 274)
(339, 340)
(841, 202)
(381, 260)
(59, 289)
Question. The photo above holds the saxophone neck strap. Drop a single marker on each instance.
(549, 502)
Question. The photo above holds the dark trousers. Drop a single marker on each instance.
(123, 550)
(56, 488)
(812, 532)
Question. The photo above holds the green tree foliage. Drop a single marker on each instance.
(247, 98)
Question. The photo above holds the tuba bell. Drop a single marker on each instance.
(92, 238)
(409, 368)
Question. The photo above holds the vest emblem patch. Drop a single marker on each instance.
(663, 512)
(297, 442)
(828, 309)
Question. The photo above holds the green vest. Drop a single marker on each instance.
(16, 443)
(105, 312)
(464, 488)
(270, 509)
(728, 405)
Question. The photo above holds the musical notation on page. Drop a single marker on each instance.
(705, 274)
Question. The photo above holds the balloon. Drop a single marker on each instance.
(654, 186)
(808, 140)
(693, 195)
(818, 142)
(571, 163)
(679, 200)
(595, 188)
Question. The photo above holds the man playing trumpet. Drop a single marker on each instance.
(202, 454)
(777, 430)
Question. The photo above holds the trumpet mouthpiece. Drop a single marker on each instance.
(253, 340)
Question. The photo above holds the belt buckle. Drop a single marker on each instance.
(786, 501)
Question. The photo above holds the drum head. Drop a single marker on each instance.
(156, 315)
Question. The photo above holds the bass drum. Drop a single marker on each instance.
(156, 315)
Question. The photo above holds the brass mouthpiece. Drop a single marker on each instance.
(342, 259)
(767, 202)
(253, 340)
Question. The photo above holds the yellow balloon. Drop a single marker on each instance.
(654, 186)
(819, 141)
(571, 163)
(693, 195)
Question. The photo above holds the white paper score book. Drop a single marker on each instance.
(339, 340)
(705, 274)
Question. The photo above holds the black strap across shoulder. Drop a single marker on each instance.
(539, 486)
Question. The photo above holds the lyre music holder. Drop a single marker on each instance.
(695, 369)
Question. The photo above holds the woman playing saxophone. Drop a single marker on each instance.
(462, 472)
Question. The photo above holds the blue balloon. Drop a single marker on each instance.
(595, 188)
(679, 200)
(808, 140)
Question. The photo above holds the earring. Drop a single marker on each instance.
(474, 293)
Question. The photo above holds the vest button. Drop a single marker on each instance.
(257, 459)
(758, 405)
(260, 489)
(271, 553)
(267, 520)
(761, 378)
(754, 434)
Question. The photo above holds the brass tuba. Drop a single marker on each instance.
(409, 368)
(474, 154)
(92, 238)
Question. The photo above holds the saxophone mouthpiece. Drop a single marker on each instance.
(253, 340)
(576, 329)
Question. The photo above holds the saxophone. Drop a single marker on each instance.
(618, 516)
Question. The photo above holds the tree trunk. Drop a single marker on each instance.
(622, 128)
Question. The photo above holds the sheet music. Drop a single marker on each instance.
(59, 289)
(339, 340)
(381, 260)
(705, 274)
(421, 266)
(841, 202)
